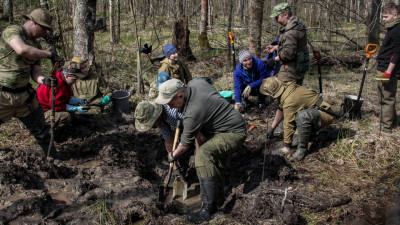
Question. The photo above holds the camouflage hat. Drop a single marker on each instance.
(272, 86)
(168, 90)
(41, 17)
(73, 68)
(146, 114)
(280, 9)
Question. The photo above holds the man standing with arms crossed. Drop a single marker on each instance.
(224, 132)
(20, 55)
(388, 70)
(292, 52)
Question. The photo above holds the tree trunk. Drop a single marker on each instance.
(203, 40)
(8, 10)
(373, 19)
(84, 20)
(104, 3)
(256, 15)
(229, 52)
(44, 4)
(112, 26)
(118, 30)
(180, 35)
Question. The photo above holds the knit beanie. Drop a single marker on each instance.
(243, 54)
(169, 49)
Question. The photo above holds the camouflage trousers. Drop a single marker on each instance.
(61, 119)
(213, 156)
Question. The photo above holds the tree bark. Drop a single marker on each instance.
(104, 4)
(8, 10)
(373, 19)
(44, 4)
(112, 26)
(180, 36)
(203, 40)
(84, 20)
(118, 29)
(256, 15)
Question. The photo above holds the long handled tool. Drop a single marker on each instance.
(232, 38)
(52, 115)
(317, 56)
(370, 49)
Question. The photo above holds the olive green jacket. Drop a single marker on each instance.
(179, 70)
(294, 99)
(292, 38)
(92, 88)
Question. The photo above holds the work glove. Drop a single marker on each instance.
(104, 101)
(246, 92)
(270, 63)
(270, 133)
(50, 82)
(77, 101)
(56, 58)
(171, 159)
(239, 107)
(72, 108)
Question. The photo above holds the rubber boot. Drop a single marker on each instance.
(308, 121)
(209, 192)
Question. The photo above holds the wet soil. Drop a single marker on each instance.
(106, 172)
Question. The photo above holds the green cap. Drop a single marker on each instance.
(280, 9)
(41, 17)
(146, 114)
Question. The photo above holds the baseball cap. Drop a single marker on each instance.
(280, 9)
(168, 90)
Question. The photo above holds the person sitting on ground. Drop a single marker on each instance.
(224, 130)
(64, 103)
(93, 88)
(172, 65)
(302, 109)
(247, 79)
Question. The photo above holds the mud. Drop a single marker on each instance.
(105, 172)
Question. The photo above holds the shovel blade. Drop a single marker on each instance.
(179, 189)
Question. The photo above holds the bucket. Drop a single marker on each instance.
(352, 107)
(227, 95)
(120, 101)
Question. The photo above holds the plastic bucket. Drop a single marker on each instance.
(120, 101)
(227, 95)
(352, 107)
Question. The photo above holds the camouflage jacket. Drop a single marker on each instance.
(15, 70)
(179, 70)
(293, 37)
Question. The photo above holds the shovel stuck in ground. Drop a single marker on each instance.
(179, 186)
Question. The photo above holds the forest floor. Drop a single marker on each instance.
(106, 172)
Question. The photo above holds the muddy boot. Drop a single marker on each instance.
(209, 192)
(308, 121)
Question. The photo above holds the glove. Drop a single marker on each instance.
(50, 82)
(56, 58)
(77, 101)
(104, 101)
(387, 75)
(246, 92)
(270, 133)
(271, 63)
(239, 107)
(72, 108)
(171, 159)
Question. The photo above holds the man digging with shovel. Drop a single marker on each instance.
(224, 130)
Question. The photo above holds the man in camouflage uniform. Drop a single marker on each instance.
(302, 109)
(292, 50)
(93, 88)
(20, 55)
(224, 130)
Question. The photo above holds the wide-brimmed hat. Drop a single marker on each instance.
(280, 9)
(74, 68)
(272, 86)
(146, 114)
(168, 90)
(41, 17)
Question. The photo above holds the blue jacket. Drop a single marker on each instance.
(253, 77)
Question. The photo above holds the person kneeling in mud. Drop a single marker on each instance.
(149, 115)
(64, 103)
(93, 89)
(302, 108)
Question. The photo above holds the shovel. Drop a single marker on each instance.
(232, 38)
(179, 185)
(317, 56)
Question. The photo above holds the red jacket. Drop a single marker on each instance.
(63, 94)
